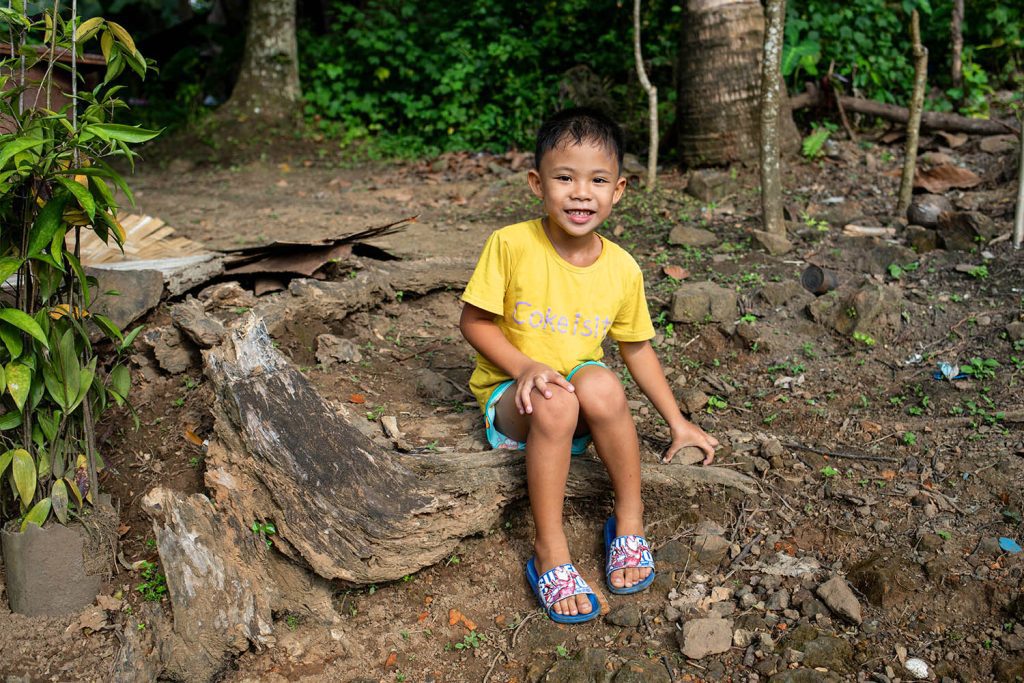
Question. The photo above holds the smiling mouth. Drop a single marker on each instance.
(579, 215)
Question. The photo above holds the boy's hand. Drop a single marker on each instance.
(540, 377)
(688, 434)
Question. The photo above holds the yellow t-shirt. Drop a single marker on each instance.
(554, 312)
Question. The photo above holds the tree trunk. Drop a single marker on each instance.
(268, 82)
(914, 122)
(956, 36)
(1018, 216)
(719, 100)
(652, 101)
(771, 182)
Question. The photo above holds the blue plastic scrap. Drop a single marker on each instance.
(948, 371)
(1009, 545)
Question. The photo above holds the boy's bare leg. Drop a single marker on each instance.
(603, 406)
(548, 434)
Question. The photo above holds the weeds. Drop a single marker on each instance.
(154, 584)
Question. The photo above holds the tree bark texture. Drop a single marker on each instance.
(914, 121)
(652, 101)
(771, 64)
(956, 36)
(719, 96)
(930, 120)
(268, 81)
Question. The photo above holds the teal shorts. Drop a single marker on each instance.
(499, 440)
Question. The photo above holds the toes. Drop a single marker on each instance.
(583, 604)
(618, 578)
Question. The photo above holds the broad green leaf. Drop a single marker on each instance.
(19, 381)
(5, 460)
(83, 281)
(86, 376)
(42, 465)
(73, 487)
(87, 29)
(57, 246)
(102, 169)
(120, 380)
(3, 379)
(9, 266)
(12, 340)
(59, 498)
(10, 420)
(48, 221)
(122, 35)
(121, 132)
(101, 192)
(106, 44)
(81, 194)
(24, 471)
(17, 146)
(49, 277)
(38, 514)
(129, 338)
(24, 322)
(108, 327)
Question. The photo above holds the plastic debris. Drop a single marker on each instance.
(1009, 545)
(948, 371)
(913, 359)
(918, 668)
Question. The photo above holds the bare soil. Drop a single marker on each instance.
(928, 513)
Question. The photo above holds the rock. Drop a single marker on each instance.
(924, 209)
(772, 448)
(332, 350)
(710, 549)
(693, 400)
(812, 607)
(227, 295)
(138, 292)
(775, 245)
(778, 601)
(836, 593)
(878, 259)
(174, 353)
(787, 293)
(703, 637)
(191, 316)
(696, 302)
(742, 638)
(873, 309)
(435, 386)
(710, 186)
(998, 144)
(921, 239)
(1015, 331)
(686, 235)
(830, 653)
(673, 555)
(930, 542)
(624, 615)
(591, 664)
(963, 230)
(1008, 670)
(643, 671)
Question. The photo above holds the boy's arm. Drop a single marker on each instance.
(646, 370)
(480, 330)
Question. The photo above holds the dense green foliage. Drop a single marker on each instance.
(869, 43)
(441, 75)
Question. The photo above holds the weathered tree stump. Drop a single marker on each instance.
(344, 507)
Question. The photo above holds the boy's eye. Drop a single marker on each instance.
(564, 178)
(600, 180)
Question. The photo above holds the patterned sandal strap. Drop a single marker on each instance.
(560, 583)
(629, 551)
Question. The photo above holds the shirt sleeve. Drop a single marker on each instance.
(633, 323)
(486, 287)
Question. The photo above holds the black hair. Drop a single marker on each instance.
(576, 126)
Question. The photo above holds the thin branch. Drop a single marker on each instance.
(652, 101)
(914, 124)
(1018, 221)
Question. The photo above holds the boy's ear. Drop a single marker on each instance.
(620, 187)
(533, 178)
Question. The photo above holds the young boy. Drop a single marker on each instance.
(544, 295)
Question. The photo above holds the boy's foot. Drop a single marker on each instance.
(627, 577)
(547, 560)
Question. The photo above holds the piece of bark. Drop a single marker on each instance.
(191, 316)
(852, 230)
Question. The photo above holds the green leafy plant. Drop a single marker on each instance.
(561, 651)
(57, 184)
(828, 471)
(981, 369)
(264, 530)
(813, 144)
(864, 338)
(909, 438)
(471, 640)
(716, 403)
(979, 272)
(154, 584)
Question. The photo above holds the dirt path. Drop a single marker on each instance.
(922, 480)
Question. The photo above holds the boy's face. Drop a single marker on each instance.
(579, 185)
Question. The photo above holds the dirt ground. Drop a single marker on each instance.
(868, 467)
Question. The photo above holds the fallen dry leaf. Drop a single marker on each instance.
(422, 616)
(676, 272)
(391, 660)
(108, 602)
(357, 398)
(454, 616)
(953, 140)
(888, 475)
(191, 436)
(944, 177)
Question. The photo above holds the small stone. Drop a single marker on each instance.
(686, 235)
(836, 593)
(742, 638)
(747, 601)
(772, 448)
(697, 302)
(831, 653)
(331, 350)
(924, 210)
(672, 614)
(779, 600)
(703, 637)
(1015, 331)
(626, 615)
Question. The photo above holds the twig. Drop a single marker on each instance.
(746, 549)
(515, 633)
(668, 667)
(914, 120)
(494, 661)
(841, 454)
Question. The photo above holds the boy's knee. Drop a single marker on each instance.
(600, 394)
(560, 412)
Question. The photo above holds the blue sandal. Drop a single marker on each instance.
(623, 552)
(558, 584)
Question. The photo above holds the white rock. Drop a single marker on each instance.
(918, 668)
